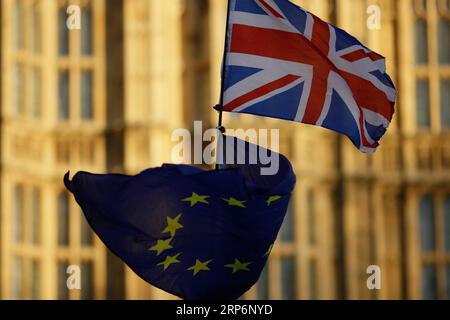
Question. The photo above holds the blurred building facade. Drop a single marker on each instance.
(106, 98)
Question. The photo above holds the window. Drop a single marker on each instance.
(25, 64)
(287, 229)
(262, 287)
(423, 104)
(86, 31)
(87, 280)
(288, 278)
(196, 54)
(73, 80)
(63, 85)
(36, 27)
(431, 50)
(16, 278)
(63, 32)
(429, 282)
(86, 95)
(421, 41)
(35, 216)
(87, 237)
(63, 219)
(63, 291)
(447, 284)
(445, 103)
(427, 224)
(443, 9)
(18, 214)
(311, 217)
(435, 243)
(18, 15)
(80, 69)
(446, 213)
(35, 279)
(19, 97)
(35, 92)
(312, 279)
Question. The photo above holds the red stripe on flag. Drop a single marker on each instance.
(261, 91)
(360, 54)
(316, 101)
(321, 35)
(368, 96)
(269, 8)
(276, 44)
(375, 56)
(294, 47)
(316, 98)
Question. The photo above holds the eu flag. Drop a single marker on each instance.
(193, 233)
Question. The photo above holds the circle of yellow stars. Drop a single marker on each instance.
(174, 224)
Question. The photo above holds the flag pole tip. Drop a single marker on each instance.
(67, 182)
(218, 107)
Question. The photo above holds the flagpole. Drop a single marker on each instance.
(219, 107)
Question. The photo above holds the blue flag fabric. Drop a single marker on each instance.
(193, 233)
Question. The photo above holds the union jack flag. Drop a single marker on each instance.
(284, 62)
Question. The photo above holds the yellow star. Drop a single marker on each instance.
(170, 260)
(268, 251)
(237, 266)
(200, 266)
(234, 202)
(272, 199)
(161, 246)
(173, 225)
(195, 198)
